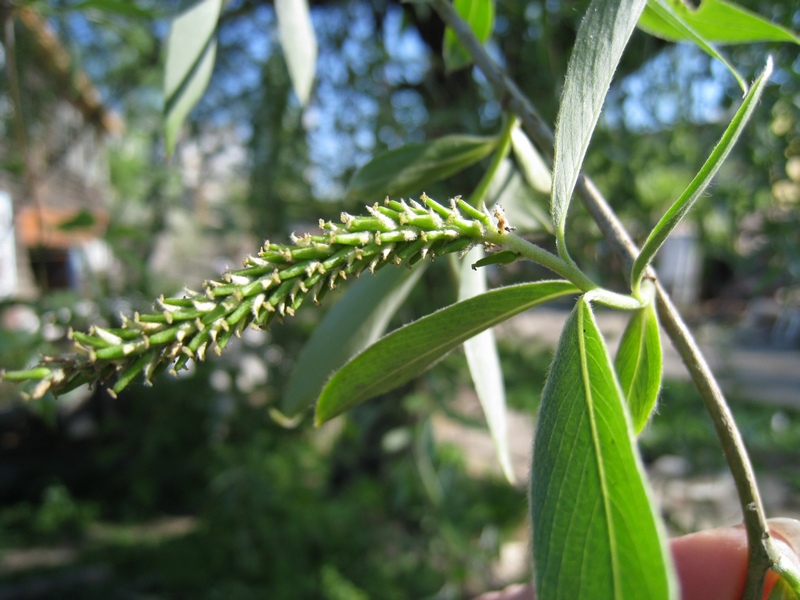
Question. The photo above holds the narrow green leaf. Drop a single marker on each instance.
(191, 51)
(596, 532)
(357, 320)
(479, 15)
(299, 44)
(532, 165)
(602, 37)
(408, 169)
(666, 12)
(484, 366)
(701, 181)
(639, 365)
(406, 352)
(503, 257)
(125, 8)
(717, 21)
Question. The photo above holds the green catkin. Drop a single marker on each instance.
(273, 282)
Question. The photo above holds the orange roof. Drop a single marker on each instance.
(59, 227)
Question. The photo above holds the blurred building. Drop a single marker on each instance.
(53, 173)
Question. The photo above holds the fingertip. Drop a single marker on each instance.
(712, 564)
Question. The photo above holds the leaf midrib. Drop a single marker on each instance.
(583, 355)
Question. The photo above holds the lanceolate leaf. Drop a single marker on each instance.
(699, 184)
(355, 322)
(191, 51)
(639, 365)
(533, 167)
(602, 36)
(665, 12)
(406, 352)
(299, 44)
(479, 15)
(484, 365)
(595, 531)
(408, 169)
(717, 21)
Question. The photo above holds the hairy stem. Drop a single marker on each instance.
(762, 552)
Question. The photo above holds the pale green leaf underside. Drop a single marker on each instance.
(191, 51)
(357, 320)
(602, 37)
(703, 178)
(406, 352)
(595, 532)
(299, 44)
(409, 168)
(479, 15)
(676, 20)
(531, 163)
(639, 365)
(484, 365)
(717, 21)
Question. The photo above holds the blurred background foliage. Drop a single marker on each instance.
(191, 489)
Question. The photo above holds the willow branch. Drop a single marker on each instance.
(762, 552)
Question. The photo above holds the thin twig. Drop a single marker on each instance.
(761, 551)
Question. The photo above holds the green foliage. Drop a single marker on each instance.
(714, 20)
(602, 36)
(639, 364)
(479, 15)
(356, 321)
(278, 509)
(595, 531)
(484, 365)
(698, 185)
(191, 51)
(298, 43)
(412, 167)
(410, 350)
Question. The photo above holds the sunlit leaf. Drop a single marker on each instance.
(406, 352)
(596, 533)
(602, 37)
(358, 319)
(717, 21)
(665, 12)
(408, 169)
(479, 15)
(703, 178)
(639, 365)
(299, 44)
(191, 51)
(484, 366)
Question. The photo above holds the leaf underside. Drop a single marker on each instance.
(191, 52)
(409, 168)
(357, 320)
(639, 365)
(602, 37)
(484, 366)
(406, 352)
(595, 532)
